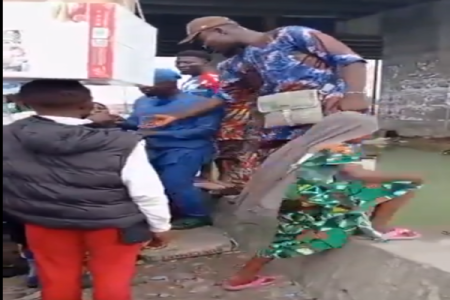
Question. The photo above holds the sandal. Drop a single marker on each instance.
(259, 281)
(159, 247)
(398, 234)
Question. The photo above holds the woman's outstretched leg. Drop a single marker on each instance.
(248, 275)
(384, 213)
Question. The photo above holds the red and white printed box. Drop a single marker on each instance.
(99, 43)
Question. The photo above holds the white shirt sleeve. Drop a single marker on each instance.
(146, 189)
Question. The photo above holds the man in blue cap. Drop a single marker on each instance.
(179, 150)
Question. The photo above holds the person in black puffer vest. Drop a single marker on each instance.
(79, 189)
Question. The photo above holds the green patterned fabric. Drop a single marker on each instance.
(339, 206)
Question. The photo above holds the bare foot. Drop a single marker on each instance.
(247, 282)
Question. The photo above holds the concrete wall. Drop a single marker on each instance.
(415, 91)
(416, 70)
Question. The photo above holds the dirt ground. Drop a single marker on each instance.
(190, 279)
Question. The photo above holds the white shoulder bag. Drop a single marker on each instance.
(291, 108)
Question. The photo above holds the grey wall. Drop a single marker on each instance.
(416, 70)
(415, 90)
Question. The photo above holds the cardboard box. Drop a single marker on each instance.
(129, 4)
(98, 43)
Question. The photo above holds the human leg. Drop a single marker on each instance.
(384, 201)
(59, 256)
(304, 243)
(291, 240)
(227, 161)
(179, 183)
(385, 211)
(206, 172)
(207, 181)
(237, 161)
(16, 231)
(178, 178)
(248, 275)
(112, 264)
(269, 147)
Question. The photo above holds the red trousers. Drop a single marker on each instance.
(60, 258)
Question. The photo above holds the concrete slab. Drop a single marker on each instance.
(402, 270)
(192, 243)
(365, 270)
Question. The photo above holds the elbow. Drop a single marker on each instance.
(353, 59)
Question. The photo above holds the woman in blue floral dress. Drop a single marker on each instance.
(312, 195)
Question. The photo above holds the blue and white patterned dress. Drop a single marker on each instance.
(280, 69)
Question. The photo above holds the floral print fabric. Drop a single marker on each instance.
(332, 208)
(280, 69)
(205, 85)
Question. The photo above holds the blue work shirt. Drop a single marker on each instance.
(194, 132)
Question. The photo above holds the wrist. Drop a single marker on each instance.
(161, 229)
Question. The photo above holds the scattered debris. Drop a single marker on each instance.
(188, 279)
(159, 278)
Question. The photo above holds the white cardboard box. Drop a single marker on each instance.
(99, 43)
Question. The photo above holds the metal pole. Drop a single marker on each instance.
(447, 115)
(375, 87)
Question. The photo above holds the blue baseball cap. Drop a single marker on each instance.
(166, 75)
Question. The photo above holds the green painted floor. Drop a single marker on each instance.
(431, 207)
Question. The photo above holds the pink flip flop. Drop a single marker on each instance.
(401, 234)
(259, 281)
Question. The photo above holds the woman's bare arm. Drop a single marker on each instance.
(353, 74)
(359, 173)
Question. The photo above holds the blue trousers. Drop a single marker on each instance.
(177, 171)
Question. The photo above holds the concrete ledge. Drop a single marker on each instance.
(363, 270)
(192, 243)
(400, 270)
(408, 128)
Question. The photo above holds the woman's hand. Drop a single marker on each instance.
(331, 105)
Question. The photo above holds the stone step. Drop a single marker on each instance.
(364, 270)
(192, 243)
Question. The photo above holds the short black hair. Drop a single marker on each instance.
(54, 93)
(100, 104)
(195, 53)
